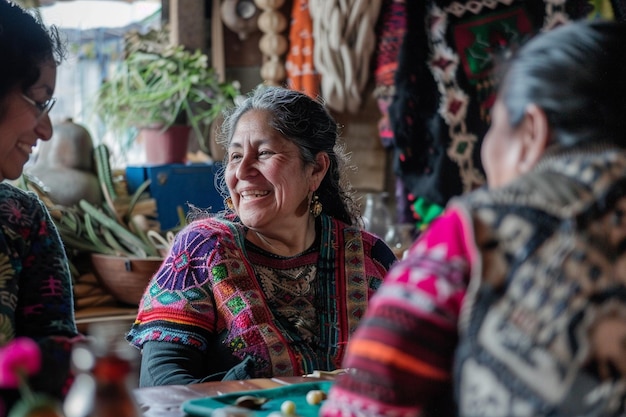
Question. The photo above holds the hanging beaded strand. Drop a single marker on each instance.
(273, 43)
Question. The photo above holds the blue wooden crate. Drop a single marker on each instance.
(175, 186)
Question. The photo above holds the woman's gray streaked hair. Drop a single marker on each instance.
(309, 125)
(575, 74)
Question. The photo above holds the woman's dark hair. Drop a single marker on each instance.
(576, 74)
(309, 125)
(25, 43)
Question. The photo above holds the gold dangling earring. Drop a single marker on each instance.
(315, 207)
(228, 202)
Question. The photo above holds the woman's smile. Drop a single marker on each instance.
(25, 147)
(249, 195)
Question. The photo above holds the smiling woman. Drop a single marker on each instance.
(275, 285)
(35, 284)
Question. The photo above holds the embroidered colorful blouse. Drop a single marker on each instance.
(36, 298)
(210, 296)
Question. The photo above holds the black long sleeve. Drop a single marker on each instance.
(171, 364)
(165, 363)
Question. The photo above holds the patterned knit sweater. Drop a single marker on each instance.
(209, 295)
(36, 298)
(515, 297)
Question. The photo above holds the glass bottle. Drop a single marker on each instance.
(399, 237)
(101, 387)
(376, 215)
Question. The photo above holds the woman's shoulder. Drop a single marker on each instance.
(330, 224)
(8, 190)
(22, 213)
(213, 240)
(373, 245)
(14, 198)
(215, 227)
(368, 238)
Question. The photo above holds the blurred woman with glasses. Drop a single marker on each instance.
(36, 298)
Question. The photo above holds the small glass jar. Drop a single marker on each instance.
(376, 215)
(399, 237)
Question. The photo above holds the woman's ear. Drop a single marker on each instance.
(536, 137)
(322, 163)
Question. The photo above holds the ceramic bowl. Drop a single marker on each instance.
(125, 278)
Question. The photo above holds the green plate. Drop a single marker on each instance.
(204, 407)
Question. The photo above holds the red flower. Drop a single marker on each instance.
(19, 358)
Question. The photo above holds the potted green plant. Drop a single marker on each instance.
(163, 88)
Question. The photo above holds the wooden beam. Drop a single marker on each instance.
(187, 23)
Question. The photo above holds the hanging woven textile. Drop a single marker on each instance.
(301, 73)
(389, 33)
(445, 86)
(344, 43)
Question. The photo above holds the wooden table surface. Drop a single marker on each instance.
(167, 400)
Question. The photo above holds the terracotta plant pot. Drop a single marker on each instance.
(166, 146)
(125, 278)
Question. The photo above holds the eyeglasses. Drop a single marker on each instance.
(44, 108)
